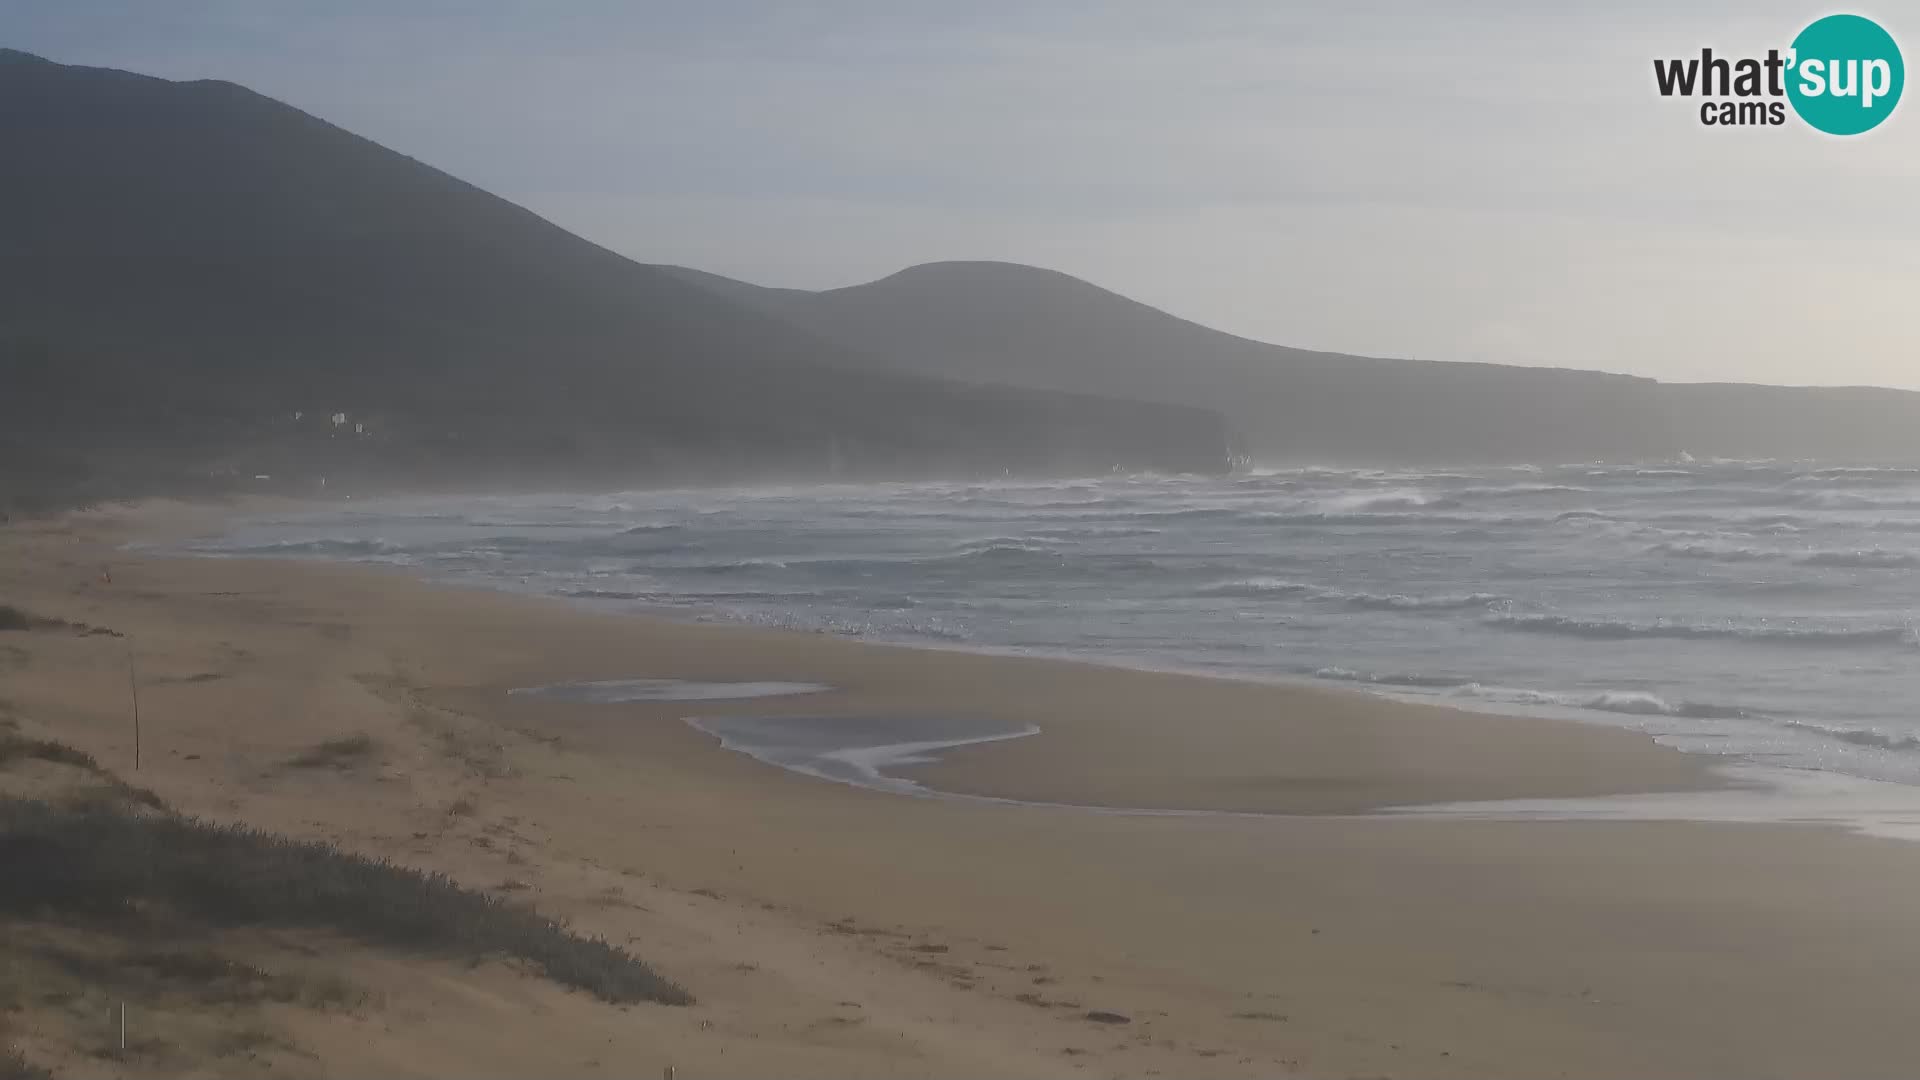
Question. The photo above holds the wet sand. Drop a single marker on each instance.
(834, 930)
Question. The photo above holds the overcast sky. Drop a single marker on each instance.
(1475, 181)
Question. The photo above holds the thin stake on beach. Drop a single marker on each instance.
(133, 684)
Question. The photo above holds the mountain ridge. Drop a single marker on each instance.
(1042, 328)
(191, 264)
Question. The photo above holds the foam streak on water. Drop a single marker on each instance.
(855, 750)
(1761, 610)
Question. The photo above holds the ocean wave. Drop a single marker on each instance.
(1853, 500)
(1626, 630)
(1741, 524)
(504, 523)
(1391, 678)
(1904, 525)
(1852, 470)
(1767, 523)
(1004, 545)
(641, 549)
(1873, 558)
(1271, 517)
(1628, 702)
(1010, 553)
(323, 546)
(1321, 518)
(1095, 532)
(1402, 602)
(1260, 587)
(1187, 513)
(932, 629)
(1394, 499)
(1519, 490)
(1859, 736)
(735, 566)
(1097, 503)
(1713, 552)
(1874, 476)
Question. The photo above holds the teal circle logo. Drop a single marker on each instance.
(1845, 75)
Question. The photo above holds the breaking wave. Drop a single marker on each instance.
(605, 594)
(1401, 602)
(1859, 736)
(1255, 588)
(1432, 682)
(1868, 558)
(1713, 552)
(1627, 702)
(1625, 630)
(320, 547)
(1872, 559)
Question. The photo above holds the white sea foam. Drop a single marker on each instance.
(1714, 551)
(1255, 588)
(1759, 795)
(1628, 702)
(857, 750)
(1873, 558)
(1603, 629)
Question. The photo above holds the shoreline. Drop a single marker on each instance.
(1624, 690)
(1525, 750)
(829, 930)
(1723, 790)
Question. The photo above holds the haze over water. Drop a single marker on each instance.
(1757, 609)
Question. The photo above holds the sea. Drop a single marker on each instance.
(1760, 611)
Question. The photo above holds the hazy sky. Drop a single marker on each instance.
(1474, 181)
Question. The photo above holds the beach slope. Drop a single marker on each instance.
(826, 929)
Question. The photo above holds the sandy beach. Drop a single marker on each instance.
(829, 930)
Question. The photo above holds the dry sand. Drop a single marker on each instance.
(830, 930)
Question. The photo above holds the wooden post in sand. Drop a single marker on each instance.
(133, 684)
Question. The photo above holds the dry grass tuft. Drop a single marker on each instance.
(343, 753)
(104, 863)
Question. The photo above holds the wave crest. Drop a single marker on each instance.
(1627, 702)
(1627, 630)
(1264, 587)
(1871, 558)
(1859, 736)
(1712, 552)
